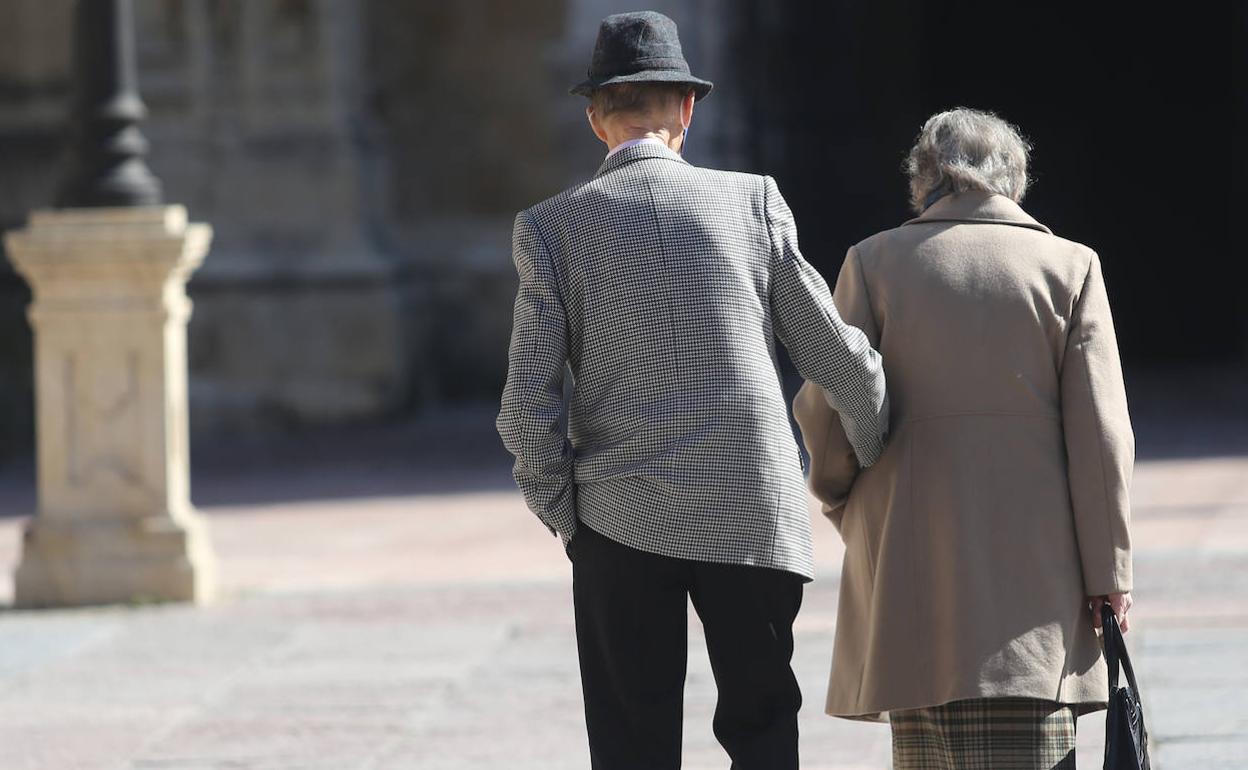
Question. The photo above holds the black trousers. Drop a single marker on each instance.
(631, 633)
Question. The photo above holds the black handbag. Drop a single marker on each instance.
(1126, 740)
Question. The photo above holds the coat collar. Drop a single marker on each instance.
(637, 152)
(978, 207)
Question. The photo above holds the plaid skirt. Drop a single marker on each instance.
(985, 734)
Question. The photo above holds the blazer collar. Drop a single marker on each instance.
(635, 153)
(978, 207)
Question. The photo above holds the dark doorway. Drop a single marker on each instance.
(1136, 116)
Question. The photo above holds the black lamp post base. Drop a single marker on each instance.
(108, 148)
(130, 184)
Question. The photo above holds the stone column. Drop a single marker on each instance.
(115, 522)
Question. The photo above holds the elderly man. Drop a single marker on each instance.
(660, 286)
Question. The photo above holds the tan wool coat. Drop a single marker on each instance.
(1000, 502)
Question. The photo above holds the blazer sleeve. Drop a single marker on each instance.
(1100, 445)
(823, 347)
(533, 419)
(833, 467)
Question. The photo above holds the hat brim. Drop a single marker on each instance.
(701, 88)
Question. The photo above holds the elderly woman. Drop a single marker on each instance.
(998, 513)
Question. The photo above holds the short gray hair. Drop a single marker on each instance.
(637, 98)
(964, 149)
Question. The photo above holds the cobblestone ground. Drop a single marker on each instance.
(387, 603)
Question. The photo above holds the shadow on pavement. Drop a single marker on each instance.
(447, 452)
(1189, 413)
(1182, 413)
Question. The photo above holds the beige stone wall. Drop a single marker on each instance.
(360, 163)
(257, 126)
(472, 101)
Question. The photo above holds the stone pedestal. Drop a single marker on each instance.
(115, 521)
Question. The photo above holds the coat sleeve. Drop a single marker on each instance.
(833, 466)
(1100, 445)
(533, 418)
(823, 347)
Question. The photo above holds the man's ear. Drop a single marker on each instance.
(686, 110)
(595, 124)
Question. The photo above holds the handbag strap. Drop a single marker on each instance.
(1116, 650)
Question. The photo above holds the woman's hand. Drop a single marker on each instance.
(1119, 603)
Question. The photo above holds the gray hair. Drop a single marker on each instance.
(637, 98)
(963, 149)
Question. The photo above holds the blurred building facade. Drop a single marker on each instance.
(361, 163)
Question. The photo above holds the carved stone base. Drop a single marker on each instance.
(115, 521)
(67, 564)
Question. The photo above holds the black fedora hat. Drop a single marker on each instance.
(640, 47)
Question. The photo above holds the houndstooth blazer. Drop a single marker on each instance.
(659, 287)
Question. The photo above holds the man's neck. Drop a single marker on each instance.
(631, 138)
(654, 140)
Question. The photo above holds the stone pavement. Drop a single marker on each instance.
(389, 603)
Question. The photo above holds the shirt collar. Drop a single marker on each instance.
(639, 151)
(635, 142)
